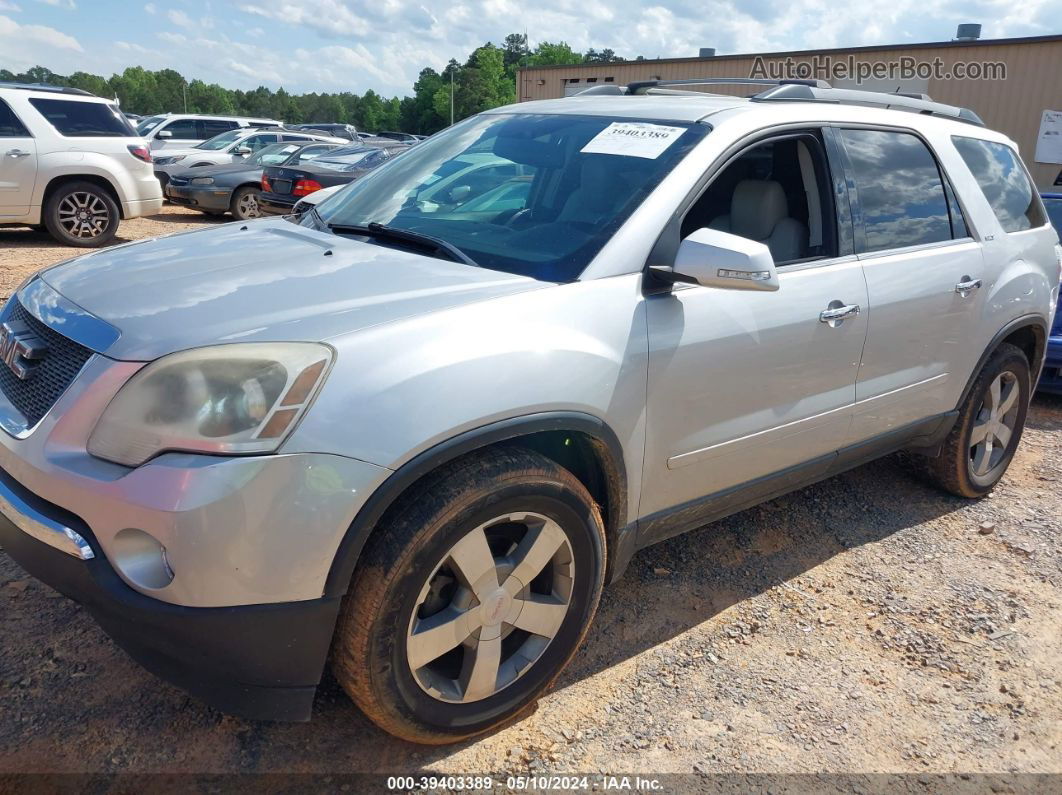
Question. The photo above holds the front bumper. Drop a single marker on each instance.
(201, 197)
(262, 662)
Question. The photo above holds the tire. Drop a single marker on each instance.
(81, 214)
(408, 580)
(244, 204)
(968, 468)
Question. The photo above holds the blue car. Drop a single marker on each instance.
(1051, 380)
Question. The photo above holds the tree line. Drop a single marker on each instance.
(485, 80)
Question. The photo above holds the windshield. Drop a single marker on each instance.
(1054, 212)
(221, 141)
(529, 194)
(144, 126)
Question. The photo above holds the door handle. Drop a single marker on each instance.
(966, 285)
(837, 312)
(16, 153)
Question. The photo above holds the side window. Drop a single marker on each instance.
(290, 137)
(777, 193)
(900, 189)
(10, 126)
(184, 129)
(1003, 180)
(211, 127)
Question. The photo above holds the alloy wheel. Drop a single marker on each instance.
(995, 422)
(248, 206)
(83, 215)
(491, 607)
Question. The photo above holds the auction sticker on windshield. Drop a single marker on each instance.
(633, 139)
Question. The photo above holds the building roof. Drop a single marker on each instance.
(797, 53)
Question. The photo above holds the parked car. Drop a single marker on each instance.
(407, 138)
(283, 186)
(1051, 378)
(185, 130)
(71, 164)
(229, 147)
(235, 187)
(417, 440)
(347, 132)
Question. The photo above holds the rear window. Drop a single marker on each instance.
(1004, 182)
(84, 119)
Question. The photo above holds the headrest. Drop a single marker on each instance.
(756, 208)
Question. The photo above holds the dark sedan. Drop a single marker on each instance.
(283, 186)
(234, 187)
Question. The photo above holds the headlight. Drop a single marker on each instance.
(203, 181)
(225, 399)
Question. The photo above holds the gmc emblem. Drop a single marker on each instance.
(20, 349)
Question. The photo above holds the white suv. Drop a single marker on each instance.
(71, 163)
(182, 130)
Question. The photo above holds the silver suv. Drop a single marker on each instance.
(418, 436)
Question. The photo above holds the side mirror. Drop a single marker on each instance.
(242, 151)
(459, 193)
(712, 258)
(164, 134)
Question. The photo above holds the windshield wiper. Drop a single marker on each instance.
(417, 239)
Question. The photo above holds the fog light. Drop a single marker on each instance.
(141, 559)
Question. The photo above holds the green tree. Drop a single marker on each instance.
(549, 54)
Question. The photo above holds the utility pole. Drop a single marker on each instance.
(451, 97)
(184, 91)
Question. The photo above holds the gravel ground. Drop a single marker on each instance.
(866, 624)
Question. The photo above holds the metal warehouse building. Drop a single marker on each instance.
(1019, 104)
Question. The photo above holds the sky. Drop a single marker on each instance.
(354, 45)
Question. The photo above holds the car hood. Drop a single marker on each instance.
(266, 280)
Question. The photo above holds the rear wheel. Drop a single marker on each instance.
(980, 447)
(244, 205)
(81, 214)
(471, 597)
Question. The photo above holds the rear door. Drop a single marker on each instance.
(18, 164)
(924, 275)
(182, 134)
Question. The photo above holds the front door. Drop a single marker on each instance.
(754, 388)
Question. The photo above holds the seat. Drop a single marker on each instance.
(602, 187)
(760, 212)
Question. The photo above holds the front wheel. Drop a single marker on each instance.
(471, 596)
(244, 205)
(980, 447)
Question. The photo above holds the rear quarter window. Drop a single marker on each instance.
(10, 126)
(1004, 182)
(83, 119)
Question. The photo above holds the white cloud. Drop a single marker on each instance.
(24, 46)
(6, 5)
(150, 8)
(69, 4)
(178, 17)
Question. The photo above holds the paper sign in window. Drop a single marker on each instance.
(633, 139)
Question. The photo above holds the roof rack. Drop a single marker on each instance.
(47, 87)
(797, 91)
(645, 86)
(916, 103)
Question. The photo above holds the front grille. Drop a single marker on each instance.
(64, 360)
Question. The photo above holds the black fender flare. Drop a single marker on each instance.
(1039, 325)
(607, 445)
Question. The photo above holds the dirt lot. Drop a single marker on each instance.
(866, 624)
